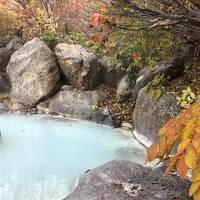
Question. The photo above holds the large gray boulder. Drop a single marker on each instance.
(171, 69)
(125, 180)
(6, 52)
(111, 74)
(151, 114)
(33, 73)
(73, 103)
(80, 67)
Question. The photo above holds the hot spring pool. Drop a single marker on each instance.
(41, 158)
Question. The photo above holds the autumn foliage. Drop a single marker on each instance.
(182, 132)
(38, 17)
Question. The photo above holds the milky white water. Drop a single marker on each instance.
(41, 158)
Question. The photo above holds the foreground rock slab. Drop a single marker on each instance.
(151, 114)
(71, 102)
(80, 67)
(125, 180)
(33, 72)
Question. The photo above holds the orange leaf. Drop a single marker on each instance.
(171, 135)
(194, 188)
(170, 165)
(197, 129)
(97, 19)
(153, 152)
(136, 57)
(162, 145)
(181, 166)
(182, 146)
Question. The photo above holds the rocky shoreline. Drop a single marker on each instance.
(36, 80)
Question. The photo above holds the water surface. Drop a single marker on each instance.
(41, 158)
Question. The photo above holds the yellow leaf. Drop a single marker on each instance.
(191, 158)
(195, 175)
(189, 128)
(194, 188)
(197, 195)
(196, 144)
(182, 146)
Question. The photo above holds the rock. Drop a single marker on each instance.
(6, 52)
(111, 75)
(80, 67)
(17, 107)
(67, 87)
(125, 180)
(73, 103)
(124, 89)
(170, 70)
(126, 126)
(4, 84)
(103, 116)
(3, 107)
(15, 43)
(33, 73)
(151, 114)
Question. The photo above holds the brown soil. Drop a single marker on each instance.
(120, 111)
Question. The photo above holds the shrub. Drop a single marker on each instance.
(50, 38)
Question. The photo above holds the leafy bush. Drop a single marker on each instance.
(132, 49)
(183, 131)
(50, 38)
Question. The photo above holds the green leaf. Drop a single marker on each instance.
(189, 90)
(192, 95)
(157, 93)
(178, 98)
(151, 92)
(183, 104)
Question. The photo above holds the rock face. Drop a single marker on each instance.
(170, 69)
(6, 52)
(80, 67)
(74, 103)
(33, 73)
(124, 88)
(112, 75)
(125, 180)
(151, 114)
